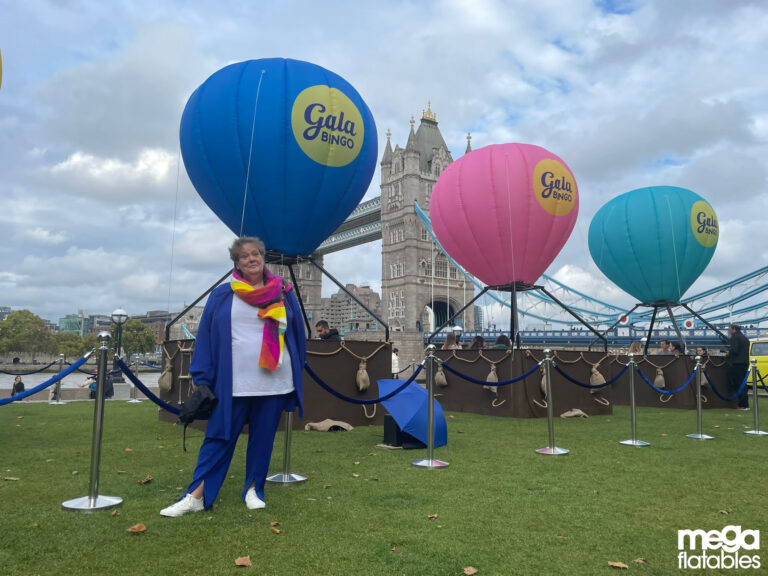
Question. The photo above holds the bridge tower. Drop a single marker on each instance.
(420, 288)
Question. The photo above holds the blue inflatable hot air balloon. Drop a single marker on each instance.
(300, 136)
(654, 242)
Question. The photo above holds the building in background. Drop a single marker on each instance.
(351, 320)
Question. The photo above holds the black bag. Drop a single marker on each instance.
(198, 406)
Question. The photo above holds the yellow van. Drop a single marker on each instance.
(758, 349)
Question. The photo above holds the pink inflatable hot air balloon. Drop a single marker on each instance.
(505, 211)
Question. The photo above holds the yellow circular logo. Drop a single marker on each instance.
(704, 224)
(554, 187)
(327, 125)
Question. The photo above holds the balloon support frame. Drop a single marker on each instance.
(514, 329)
(656, 306)
(273, 257)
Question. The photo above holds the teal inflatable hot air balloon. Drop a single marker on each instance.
(654, 242)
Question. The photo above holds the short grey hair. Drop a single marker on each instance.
(237, 245)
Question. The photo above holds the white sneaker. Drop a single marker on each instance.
(187, 504)
(252, 501)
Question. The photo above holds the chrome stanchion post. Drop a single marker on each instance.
(430, 461)
(756, 431)
(57, 388)
(551, 450)
(699, 375)
(93, 501)
(632, 407)
(286, 477)
(133, 399)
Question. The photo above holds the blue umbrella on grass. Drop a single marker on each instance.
(409, 409)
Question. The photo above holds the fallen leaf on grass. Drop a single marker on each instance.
(715, 426)
(146, 480)
(450, 416)
(330, 498)
(372, 479)
(75, 472)
(19, 417)
(395, 549)
(663, 434)
(470, 570)
(137, 528)
(312, 499)
(460, 431)
(274, 523)
(357, 462)
(121, 471)
(371, 453)
(618, 565)
(278, 531)
(129, 449)
(432, 516)
(726, 512)
(640, 561)
(11, 479)
(49, 460)
(35, 525)
(326, 486)
(355, 475)
(561, 537)
(243, 561)
(115, 512)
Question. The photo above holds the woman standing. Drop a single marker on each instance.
(18, 386)
(250, 349)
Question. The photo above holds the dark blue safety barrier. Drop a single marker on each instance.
(351, 400)
(44, 385)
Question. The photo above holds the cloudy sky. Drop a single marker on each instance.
(628, 93)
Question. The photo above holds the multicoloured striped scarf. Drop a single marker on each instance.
(269, 300)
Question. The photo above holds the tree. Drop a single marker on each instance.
(22, 331)
(69, 344)
(137, 338)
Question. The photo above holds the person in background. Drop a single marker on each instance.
(502, 343)
(636, 348)
(92, 382)
(701, 351)
(738, 363)
(478, 343)
(18, 386)
(395, 363)
(666, 347)
(250, 349)
(325, 332)
(451, 342)
(676, 350)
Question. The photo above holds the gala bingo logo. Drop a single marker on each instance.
(704, 224)
(554, 187)
(327, 125)
(718, 549)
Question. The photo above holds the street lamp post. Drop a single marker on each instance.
(119, 317)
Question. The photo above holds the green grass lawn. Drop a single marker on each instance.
(500, 507)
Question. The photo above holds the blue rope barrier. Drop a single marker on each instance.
(152, 366)
(28, 373)
(351, 400)
(144, 390)
(668, 392)
(762, 382)
(486, 383)
(590, 386)
(730, 398)
(44, 385)
(404, 369)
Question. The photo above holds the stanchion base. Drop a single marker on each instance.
(699, 436)
(85, 504)
(552, 451)
(57, 402)
(286, 478)
(133, 401)
(756, 433)
(634, 443)
(427, 463)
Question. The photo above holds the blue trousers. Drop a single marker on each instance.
(262, 414)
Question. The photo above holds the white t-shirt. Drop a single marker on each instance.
(248, 378)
